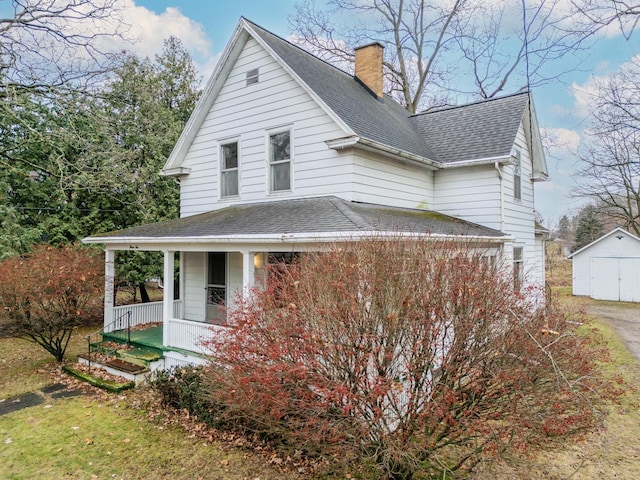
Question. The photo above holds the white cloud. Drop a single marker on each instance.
(561, 140)
(146, 30)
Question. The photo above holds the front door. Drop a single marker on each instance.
(216, 287)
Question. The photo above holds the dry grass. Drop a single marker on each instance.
(612, 451)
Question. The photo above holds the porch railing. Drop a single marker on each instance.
(188, 335)
(121, 324)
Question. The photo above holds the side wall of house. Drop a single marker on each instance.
(479, 195)
(246, 113)
(519, 214)
(471, 193)
(385, 181)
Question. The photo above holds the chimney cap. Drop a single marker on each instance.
(371, 44)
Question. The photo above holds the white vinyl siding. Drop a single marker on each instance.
(234, 287)
(248, 114)
(194, 286)
(471, 193)
(519, 214)
(385, 181)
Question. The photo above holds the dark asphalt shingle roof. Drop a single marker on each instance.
(483, 129)
(478, 130)
(386, 122)
(305, 216)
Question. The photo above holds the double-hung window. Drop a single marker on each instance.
(229, 169)
(518, 271)
(280, 161)
(517, 176)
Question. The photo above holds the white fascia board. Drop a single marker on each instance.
(207, 98)
(606, 235)
(175, 172)
(502, 160)
(355, 141)
(532, 131)
(142, 243)
(295, 76)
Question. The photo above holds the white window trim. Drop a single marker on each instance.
(222, 143)
(267, 138)
(518, 283)
(517, 165)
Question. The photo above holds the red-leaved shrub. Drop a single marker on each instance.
(415, 354)
(46, 294)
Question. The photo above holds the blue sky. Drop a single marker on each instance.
(205, 26)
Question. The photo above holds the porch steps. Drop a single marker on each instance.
(139, 356)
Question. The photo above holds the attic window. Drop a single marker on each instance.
(252, 76)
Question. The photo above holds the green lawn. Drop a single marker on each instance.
(101, 436)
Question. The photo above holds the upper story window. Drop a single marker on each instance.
(253, 76)
(229, 169)
(280, 161)
(517, 176)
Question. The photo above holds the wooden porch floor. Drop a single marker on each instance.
(149, 337)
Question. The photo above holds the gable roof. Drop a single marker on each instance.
(606, 235)
(385, 122)
(479, 132)
(308, 219)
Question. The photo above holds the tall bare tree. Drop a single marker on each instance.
(437, 50)
(51, 43)
(594, 15)
(611, 157)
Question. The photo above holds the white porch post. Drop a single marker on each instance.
(167, 299)
(109, 276)
(248, 273)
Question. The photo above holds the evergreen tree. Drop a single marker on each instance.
(589, 227)
(563, 231)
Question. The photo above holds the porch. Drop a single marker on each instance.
(144, 325)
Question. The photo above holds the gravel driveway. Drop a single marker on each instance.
(625, 319)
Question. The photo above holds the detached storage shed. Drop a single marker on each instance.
(608, 268)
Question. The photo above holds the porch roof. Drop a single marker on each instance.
(305, 218)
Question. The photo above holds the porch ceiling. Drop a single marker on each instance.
(310, 218)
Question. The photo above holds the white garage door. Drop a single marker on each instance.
(615, 279)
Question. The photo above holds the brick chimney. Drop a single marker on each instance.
(369, 67)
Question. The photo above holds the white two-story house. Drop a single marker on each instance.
(284, 152)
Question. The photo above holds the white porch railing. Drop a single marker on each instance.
(188, 335)
(143, 313)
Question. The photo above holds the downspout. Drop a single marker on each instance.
(497, 165)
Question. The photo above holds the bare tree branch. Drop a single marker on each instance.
(49, 43)
(611, 172)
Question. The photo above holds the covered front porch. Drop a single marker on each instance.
(218, 258)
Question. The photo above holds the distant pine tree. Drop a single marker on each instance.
(563, 231)
(589, 227)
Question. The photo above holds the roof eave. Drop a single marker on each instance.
(293, 238)
(501, 159)
(598, 240)
(207, 98)
(355, 141)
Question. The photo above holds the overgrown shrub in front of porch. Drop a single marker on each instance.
(415, 356)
